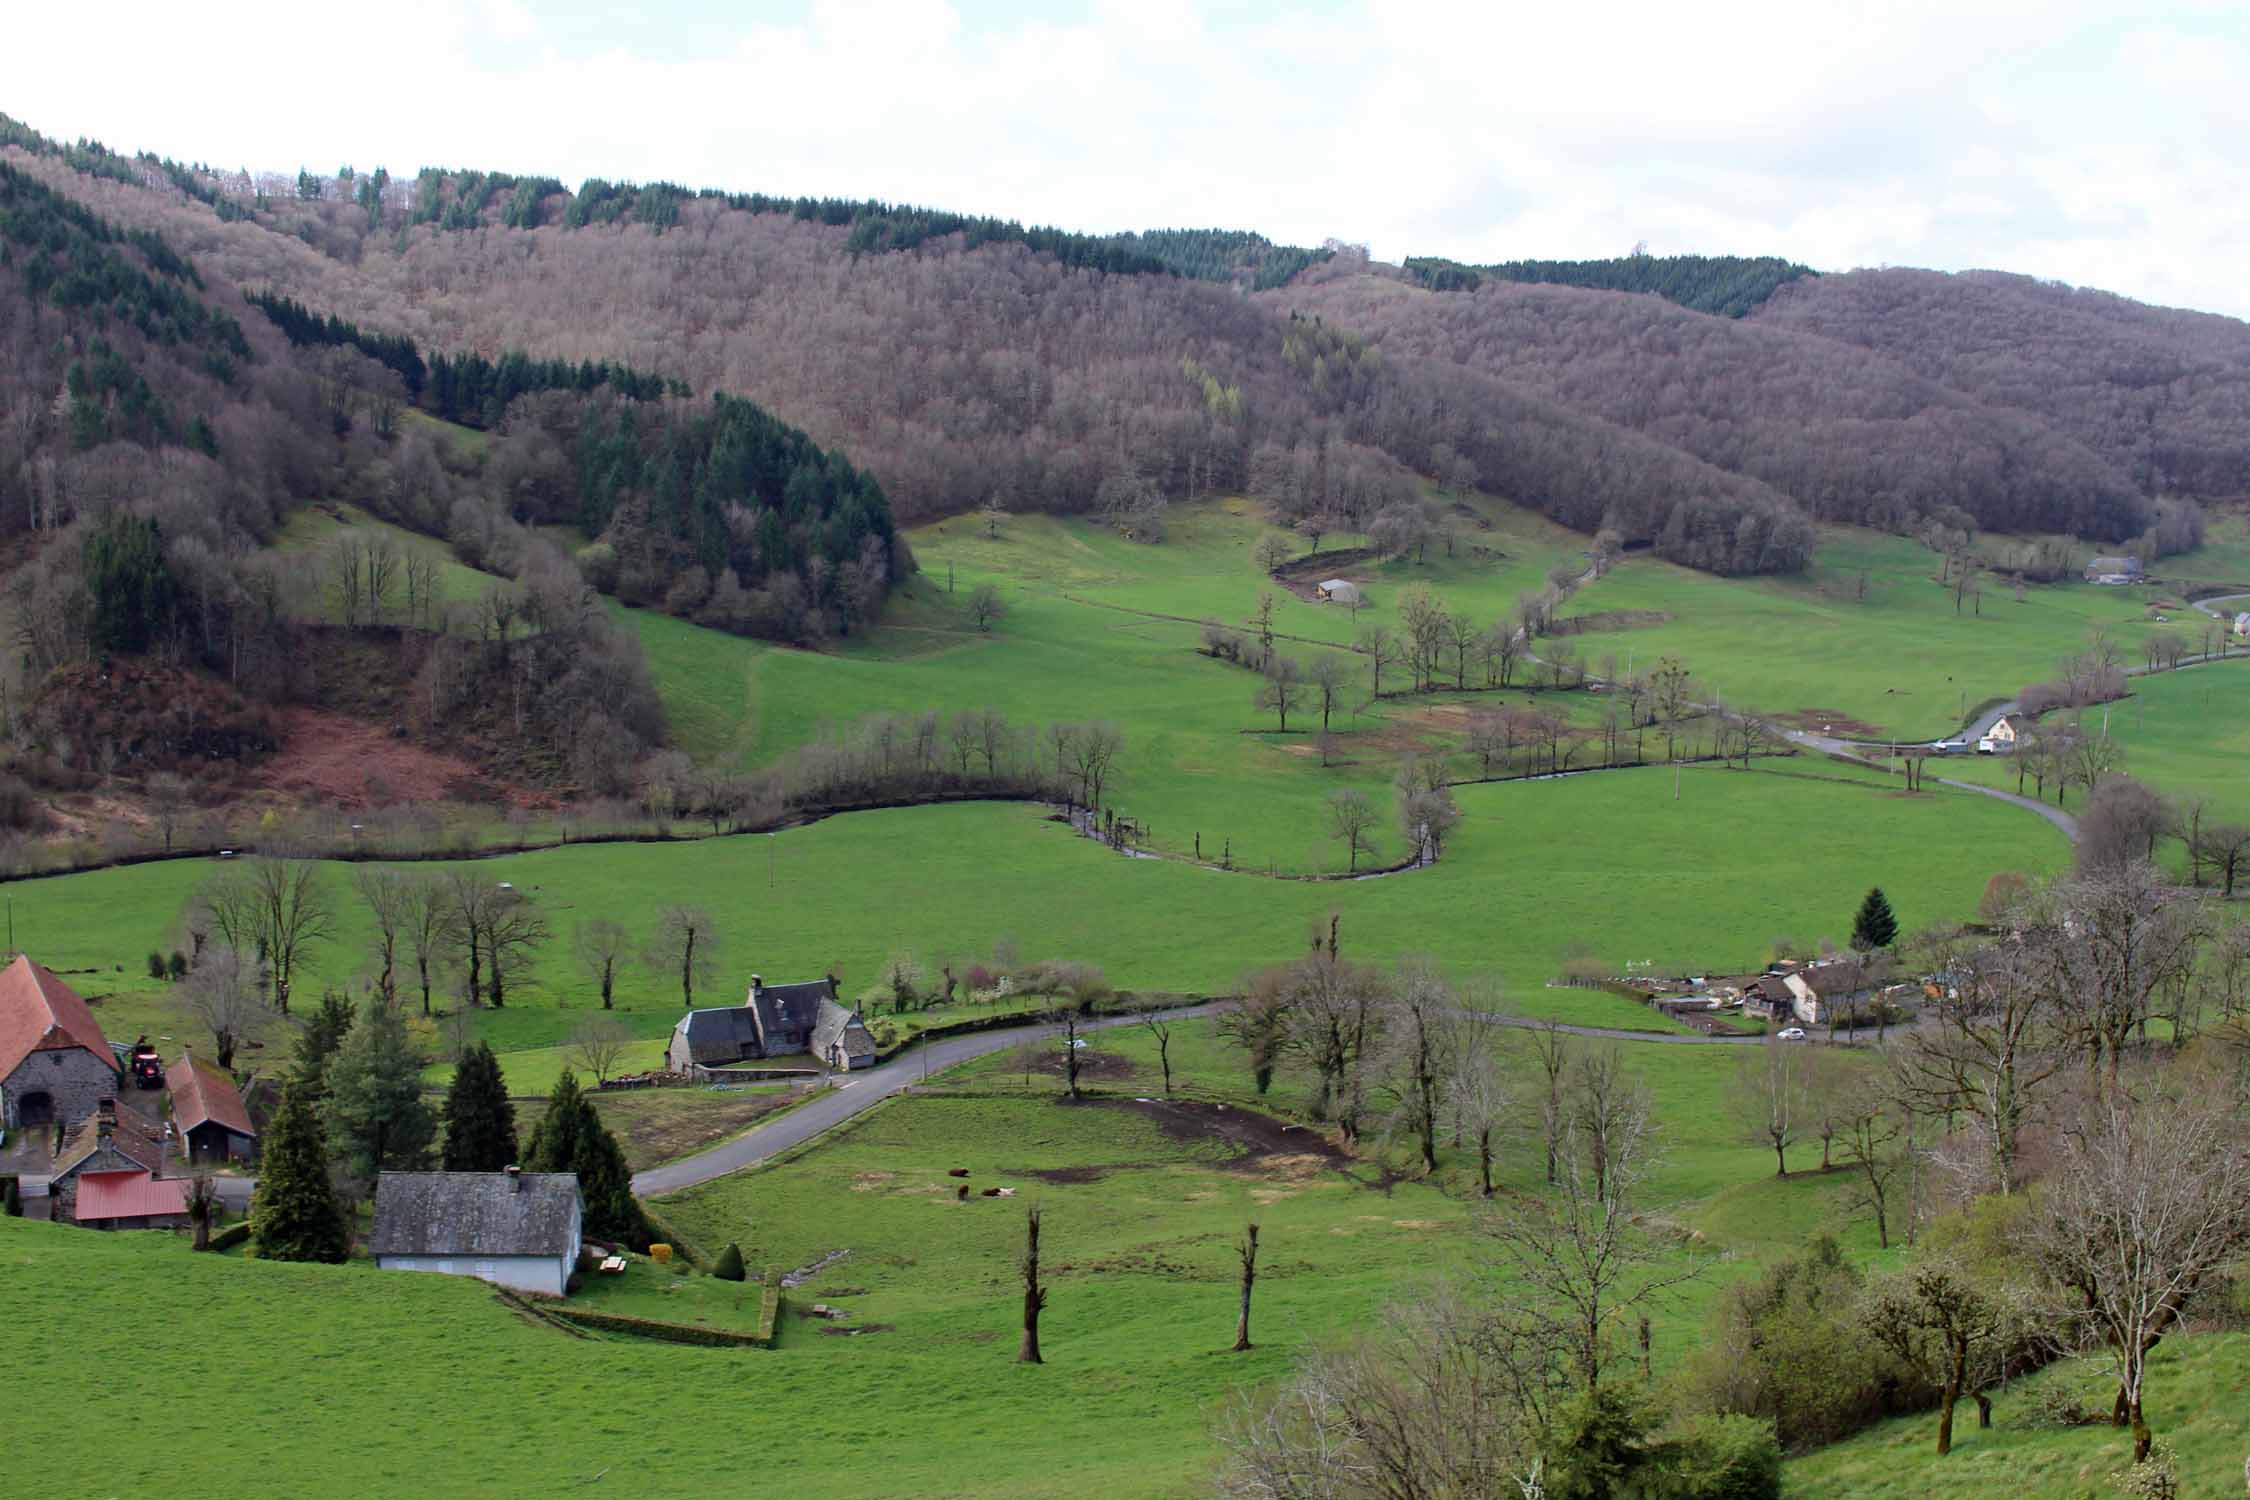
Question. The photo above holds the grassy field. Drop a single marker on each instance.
(2195, 1405)
(1609, 863)
(1900, 661)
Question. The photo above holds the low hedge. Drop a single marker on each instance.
(652, 1328)
(231, 1236)
(769, 1306)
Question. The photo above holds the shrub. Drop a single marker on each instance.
(728, 1267)
(231, 1236)
(1719, 1458)
(2056, 1403)
(176, 966)
(155, 965)
(2156, 1477)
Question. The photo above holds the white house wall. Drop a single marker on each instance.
(523, 1273)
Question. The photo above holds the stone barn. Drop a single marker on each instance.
(516, 1229)
(54, 1062)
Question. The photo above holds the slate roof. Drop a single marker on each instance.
(786, 1010)
(129, 1195)
(39, 1012)
(1829, 980)
(202, 1092)
(838, 1024)
(475, 1213)
(136, 1143)
(725, 1035)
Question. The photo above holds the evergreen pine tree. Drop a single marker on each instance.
(480, 1123)
(294, 1212)
(325, 1030)
(1875, 926)
(374, 1103)
(570, 1137)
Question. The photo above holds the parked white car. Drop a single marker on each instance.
(1791, 1033)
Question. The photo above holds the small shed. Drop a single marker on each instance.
(516, 1229)
(1338, 591)
(131, 1200)
(2242, 626)
(208, 1112)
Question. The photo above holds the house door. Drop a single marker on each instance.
(35, 1108)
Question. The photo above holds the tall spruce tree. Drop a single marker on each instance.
(480, 1123)
(325, 1030)
(374, 1105)
(1876, 926)
(570, 1137)
(294, 1213)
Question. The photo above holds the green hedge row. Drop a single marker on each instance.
(769, 1306)
(663, 1231)
(652, 1328)
(231, 1236)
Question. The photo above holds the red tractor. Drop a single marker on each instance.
(146, 1067)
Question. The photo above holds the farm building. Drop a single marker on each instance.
(1823, 991)
(776, 1020)
(1338, 591)
(2242, 626)
(109, 1174)
(208, 1112)
(841, 1040)
(518, 1229)
(1768, 995)
(2114, 570)
(54, 1062)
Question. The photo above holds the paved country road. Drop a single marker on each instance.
(857, 1092)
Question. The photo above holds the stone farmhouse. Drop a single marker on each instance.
(110, 1174)
(54, 1062)
(776, 1020)
(516, 1229)
(2114, 570)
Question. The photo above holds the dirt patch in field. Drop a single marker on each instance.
(1270, 1147)
(1046, 1060)
(338, 760)
(1828, 721)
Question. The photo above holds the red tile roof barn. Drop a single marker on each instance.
(200, 1093)
(39, 1012)
(129, 1195)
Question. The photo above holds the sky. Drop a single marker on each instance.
(2095, 144)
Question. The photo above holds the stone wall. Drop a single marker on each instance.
(73, 1077)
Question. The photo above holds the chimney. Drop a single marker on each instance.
(105, 1118)
(515, 1177)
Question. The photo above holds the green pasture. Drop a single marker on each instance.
(1901, 661)
(2194, 1404)
(1608, 863)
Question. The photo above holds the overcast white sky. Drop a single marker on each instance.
(2058, 138)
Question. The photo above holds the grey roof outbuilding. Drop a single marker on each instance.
(714, 1037)
(476, 1213)
(839, 1027)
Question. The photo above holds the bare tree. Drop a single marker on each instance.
(600, 945)
(2106, 942)
(388, 897)
(1335, 1019)
(1283, 689)
(1272, 551)
(427, 926)
(1093, 751)
(168, 804)
(471, 900)
(1247, 1251)
(1986, 1051)
(986, 607)
(686, 944)
(514, 935)
(2149, 1200)
(226, 992)
(202, 1207)
(1937, 1318)
(1325, 681)
(1034, 1295)
(597, 1044)
(1769, 1098)
(1421, 1036)
(1551, 1051)
(1479, 1092)
(1381, 648)
(1352, 817)
(2224, 849)
(294, 912)
(1160, 1027)
(1578, 1263)
(1877, 1137)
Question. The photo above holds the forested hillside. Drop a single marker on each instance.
(2162, 394)
(1728, 285)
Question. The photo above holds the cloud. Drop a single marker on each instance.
(2056, 137)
